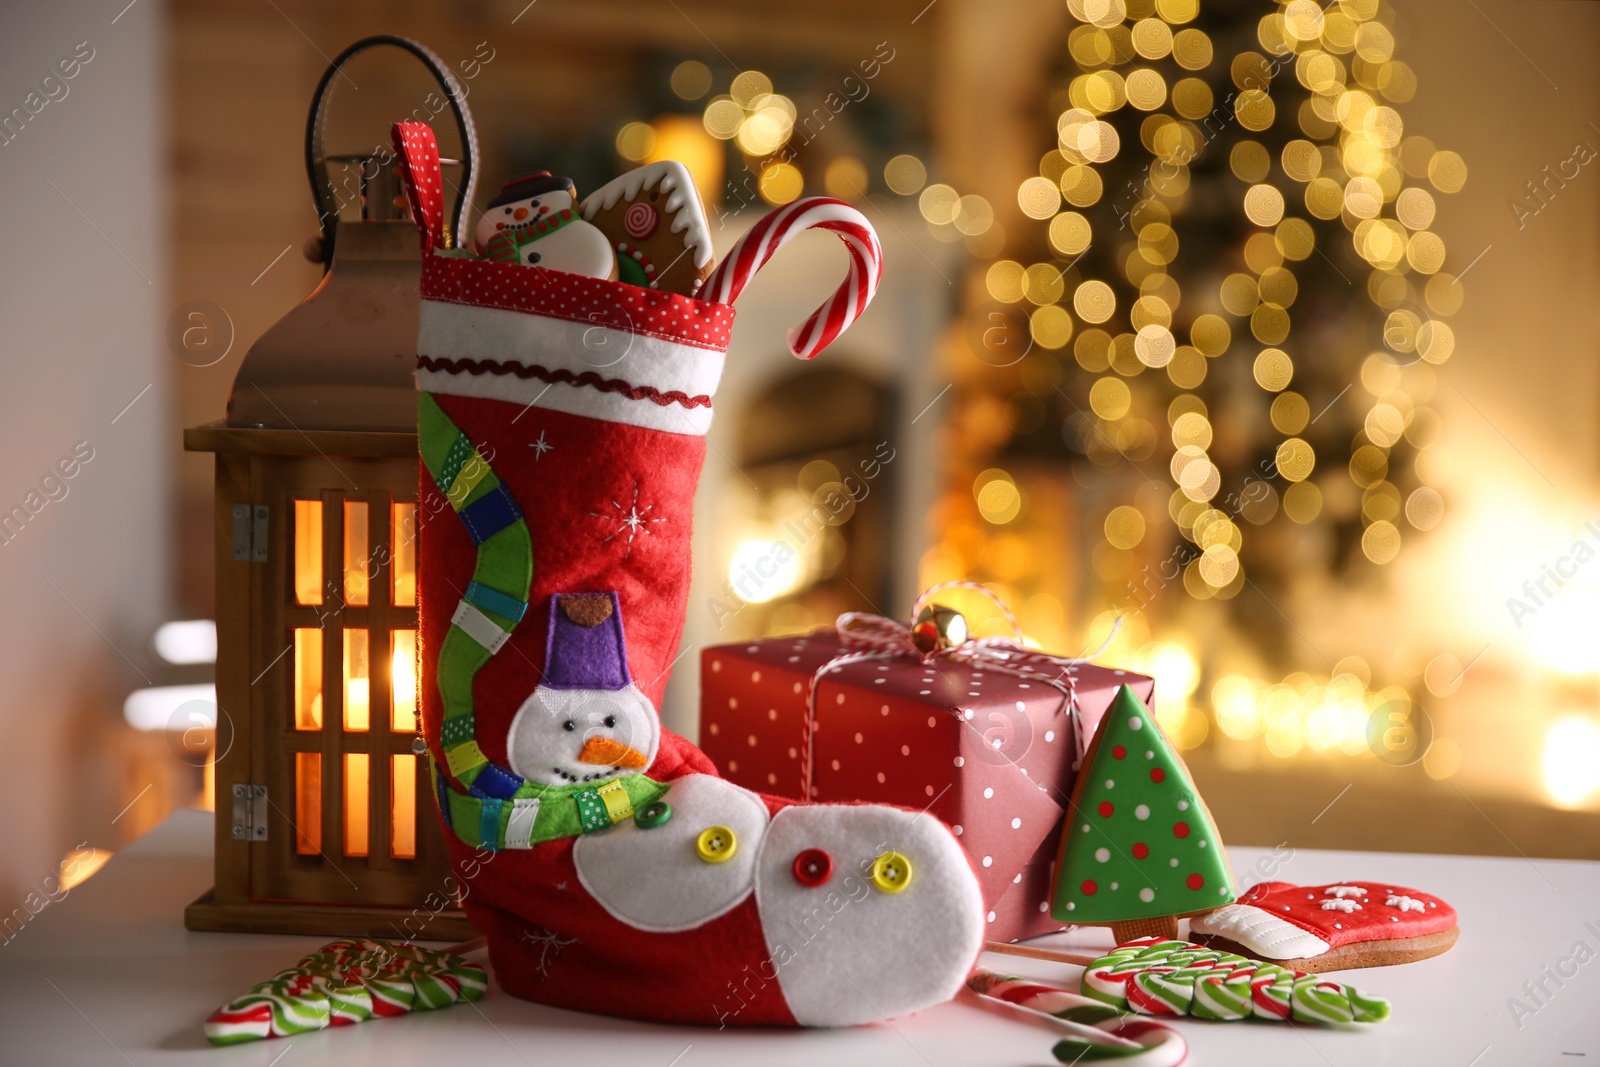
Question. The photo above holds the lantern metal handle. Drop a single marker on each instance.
(316, 162)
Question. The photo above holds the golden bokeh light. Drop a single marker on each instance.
(781, 183)
(635, 141)
(1302, 502)
(1109, 398)
(1080, 186)
(938, 204)
(1424, 508)
(1039, 198)
(1290, 412)
(1146, 89)
(1004, 280)
(747, 86)
(1069, 233)
(1154, 346)
(845, 178)
(999, 500)
(1295, 238)
(905, 174)
(1177, 12)
(691, 80)
(1380, 542)
(1191, 429)
(1191, 98)
(1274, 370)
(1124, 526)
(1254, 109)
(1050, 326)
(1211, 335)
(1240, 294)
(1295, 459)
(1191, 49)
(1043, 283)
(1250, 161)
(1152, 38)
(1094, 301)
(722, 118)
(1263, 205)
(1448, 172)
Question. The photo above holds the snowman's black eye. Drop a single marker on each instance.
(611, 720)
(569, 726)
(507, 210)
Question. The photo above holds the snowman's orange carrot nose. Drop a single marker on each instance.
(609, 753)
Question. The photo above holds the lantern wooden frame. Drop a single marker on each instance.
(267, 881)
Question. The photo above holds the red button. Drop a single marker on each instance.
(813, 867)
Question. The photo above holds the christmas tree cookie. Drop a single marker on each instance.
(1139, 848)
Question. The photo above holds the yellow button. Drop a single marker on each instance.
(716, 844)
(891, 872)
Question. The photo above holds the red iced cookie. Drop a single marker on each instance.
(1331, 927)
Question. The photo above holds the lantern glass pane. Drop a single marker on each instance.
(308, 551)
(355, 803)
(403, 806)
(404, 567)
(308, 679)
(355, 552)
(307, 803)
(357, 681)
(403, 682)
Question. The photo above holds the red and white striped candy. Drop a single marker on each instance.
(847, 303)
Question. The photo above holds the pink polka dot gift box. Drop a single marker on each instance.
(989, 743)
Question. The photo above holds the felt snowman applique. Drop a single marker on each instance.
(585, 735)
(532, 220)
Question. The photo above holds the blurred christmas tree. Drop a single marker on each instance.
(1231, 306)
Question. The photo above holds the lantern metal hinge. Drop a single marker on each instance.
(250, 533)
(249, 812)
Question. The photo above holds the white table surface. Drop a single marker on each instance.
(108, 975)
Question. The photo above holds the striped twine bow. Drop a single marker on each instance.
(874, 638)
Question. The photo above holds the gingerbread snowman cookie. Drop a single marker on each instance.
(653, 219)
(1331, 927)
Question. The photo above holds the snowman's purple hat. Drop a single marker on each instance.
(585, 648)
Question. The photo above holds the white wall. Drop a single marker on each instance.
(81, 328)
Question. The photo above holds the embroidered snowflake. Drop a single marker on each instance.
(631, 520)
(549, 943)
(540, 447)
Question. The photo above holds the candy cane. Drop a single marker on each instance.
(757, 246)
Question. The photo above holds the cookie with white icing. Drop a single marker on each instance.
(1331, 927)
(657, 228)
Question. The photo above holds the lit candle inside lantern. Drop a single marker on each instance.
(357, 682)
(403, 681)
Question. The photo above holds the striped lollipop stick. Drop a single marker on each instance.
(752, 251)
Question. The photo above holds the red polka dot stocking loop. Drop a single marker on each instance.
(1139, 844)
(562, 431)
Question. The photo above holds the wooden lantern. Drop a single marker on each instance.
(324, 819)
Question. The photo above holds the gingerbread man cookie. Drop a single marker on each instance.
(1331, 927)
(653, 219)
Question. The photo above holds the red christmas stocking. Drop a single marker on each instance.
(561, 426)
